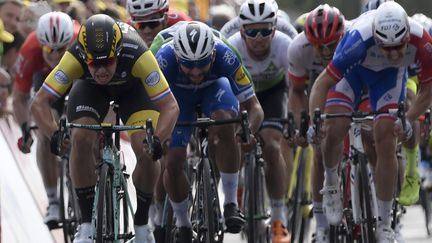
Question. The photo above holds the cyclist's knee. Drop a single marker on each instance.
(174, 162)
(83, 140)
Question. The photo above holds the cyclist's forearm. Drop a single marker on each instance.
(421, 103)
(42, 114)
(297, 102)
(169, 112)
(20, 106)
(255, 113)
(319, 92)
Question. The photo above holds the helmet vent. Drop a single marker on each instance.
(54, 33)
(261, 8)
(252, 9)
(381, 34)
(99, 39)
(400, 32)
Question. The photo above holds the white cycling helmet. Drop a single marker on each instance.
(390, 25)
(55, 30)
(193, 41)
(142, 8)
(258, 11)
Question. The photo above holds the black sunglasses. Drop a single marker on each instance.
(151, 24)
(254, 32)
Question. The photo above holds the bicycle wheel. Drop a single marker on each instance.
(297, 207)
(104, 215)
(69, 210)
(426, 203)
(168, 223)
(367, 223)
(261, 216)
(125, 209)
(209, 220)
(249, 198)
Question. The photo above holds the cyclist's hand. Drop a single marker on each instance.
(25, 142)
(398, 130)
(247, 147)
(156, 149)
(312, 137)
(301, 140)
(59, 144)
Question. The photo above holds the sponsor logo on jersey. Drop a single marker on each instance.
(153, 78)
(163, 63)
(61, 77)
(229, 57)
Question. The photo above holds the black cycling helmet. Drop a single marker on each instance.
(99, 38)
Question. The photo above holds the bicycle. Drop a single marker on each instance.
(112, 207)
(425, 193)
(206, 216)
(70, 214)
(359, 188)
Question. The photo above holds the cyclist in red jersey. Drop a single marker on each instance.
(39, 54)
(151, 16)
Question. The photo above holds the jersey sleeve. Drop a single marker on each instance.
(231, 27)
(28, 60)
(62, 76)
(156, 44)
(351, 50)
(230, 66)
(147, 70)
(424, 58)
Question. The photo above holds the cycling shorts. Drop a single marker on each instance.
(217, 96)
(274, 103)
(387, 88)
(88, 99)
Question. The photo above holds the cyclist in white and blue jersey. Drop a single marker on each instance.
(201, 70)
(375, 52)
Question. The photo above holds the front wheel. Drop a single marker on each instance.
(104, 215)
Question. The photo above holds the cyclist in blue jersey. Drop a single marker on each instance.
(200, 69)
(375, 52)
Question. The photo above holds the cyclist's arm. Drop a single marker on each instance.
(20, 105)
(255, 113)
(147, 69)
(421, 103)
(297, 99)
(42, 112)
(319, 91)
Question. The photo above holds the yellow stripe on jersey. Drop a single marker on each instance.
(147, 70)
(241, 77)
(139, 118)
(62, 76)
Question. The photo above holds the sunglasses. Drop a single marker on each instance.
(253, 33)
(153, 23)
(95, 63)
(50, 50)
(196, 64)
(329, 46)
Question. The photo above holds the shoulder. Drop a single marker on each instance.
(231, 27)
(299, 44)
(286, 27)
(176, 16)
(31, 45)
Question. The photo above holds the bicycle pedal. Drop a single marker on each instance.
(53, 225)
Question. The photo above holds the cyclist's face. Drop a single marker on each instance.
(326, 51)
(258, 38)
(102, 73)
(10, 14)
(52, 56)
(149, 26)
(394, 54)
(196, 74)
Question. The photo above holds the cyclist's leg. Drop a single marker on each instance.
(338, 100)
(87, 104)
(411, 183)
(274, 103)
(223, 144)
(386, 90)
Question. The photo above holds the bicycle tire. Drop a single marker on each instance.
(297, 208)
(168, 221)
(104, 224)
(426, 203)
(365, 201)
(249, 198)
(262, 218)
(69, 210)
(209, 220)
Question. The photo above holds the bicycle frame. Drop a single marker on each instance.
(356, 148)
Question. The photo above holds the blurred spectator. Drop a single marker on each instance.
(220, 14)
(30, 15)
(10, 13)
(5, 81)
(62, 5)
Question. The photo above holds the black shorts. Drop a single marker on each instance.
(274, 102)
(88, 99)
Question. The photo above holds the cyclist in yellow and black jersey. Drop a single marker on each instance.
(109, 62)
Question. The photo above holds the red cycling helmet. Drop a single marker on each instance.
(324, 24)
